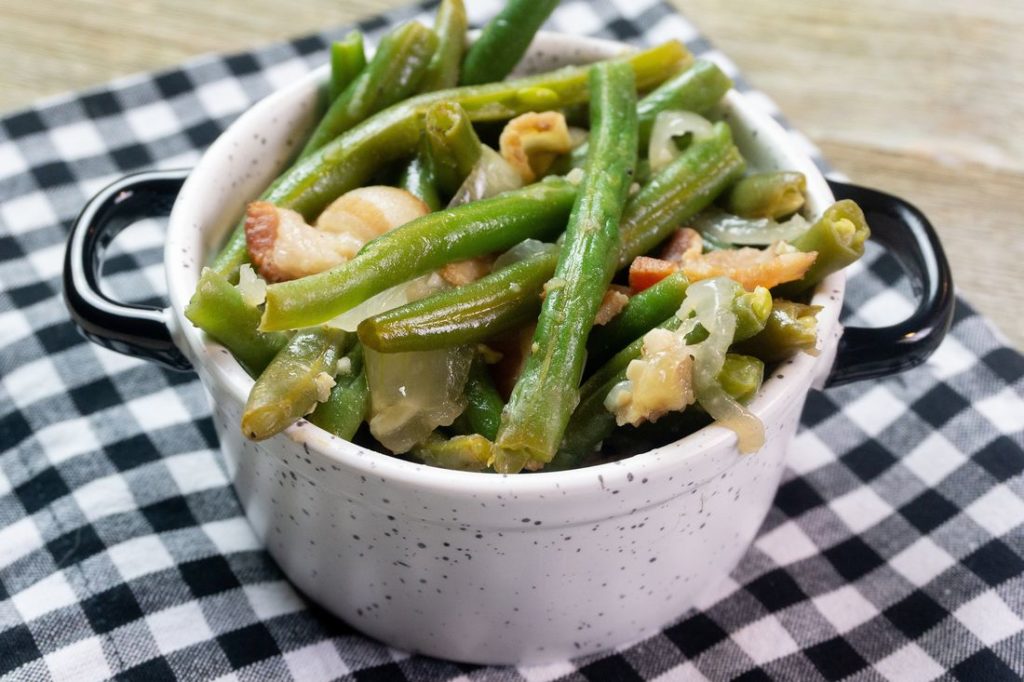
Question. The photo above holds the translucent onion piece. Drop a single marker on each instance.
(669, 125)
(251, 287)
(710, 303)
(521, 251)
(398, 295)
(411, 394)
(491, 176)
(729, 229)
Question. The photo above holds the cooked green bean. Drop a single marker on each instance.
(791, 327)
(450, 24)
(548, 387)
(418, 179)
(347, 406)
(217, 308)
(838, 237)
(503, 41)
(290, 385)
(462, 453)
(767, 195)
(506, 298)
(643, 312)
(483, 403)
(347, 60)
(350, 160)
(741, 376)
(425, 244)
(684, 188)
(452, 145)
(392, 75)
(472, 313)
(696, 89)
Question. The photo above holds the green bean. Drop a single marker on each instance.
(508, 297)
(680, 191)
(741, 376)
(696, 89)
(838, 237)
(643, 312)
(452, 145)
(450, 24)
(287, 389)
(418, 179)
(548, 387)
(767, 195)
(392, 75)
(592, 423)
(503, 300)
(347, 60)
(347, 406)
(425, 244)
(792, 327)
(350, 160)
(483, 403)
(504, 40)
(218, 309)
(463, 453)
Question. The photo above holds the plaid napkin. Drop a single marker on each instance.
(895, 548)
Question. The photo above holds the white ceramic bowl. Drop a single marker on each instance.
(481, 567)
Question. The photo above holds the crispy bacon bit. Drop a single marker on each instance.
(282, 246)
(645, 272)
(368, 212)
(532, 141)
(684, 243)
(615, 299)
(752, 268)
(467, 271)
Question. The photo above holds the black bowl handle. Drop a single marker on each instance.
(136, 330)
(868, 353)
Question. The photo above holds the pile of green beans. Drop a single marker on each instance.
(410, 115)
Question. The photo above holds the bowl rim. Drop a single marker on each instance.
(207, 355)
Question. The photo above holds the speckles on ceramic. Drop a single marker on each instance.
(478, 567)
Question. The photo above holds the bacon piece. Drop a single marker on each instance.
(684, 243)
(467, 271)
(615, 299)
(752, 268)
(282, 246)
(645, 272)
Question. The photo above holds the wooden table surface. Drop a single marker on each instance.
(923, 98)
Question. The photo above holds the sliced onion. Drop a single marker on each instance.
(710, 302)
(411, 394)
(725, 228)
(669, 125)
(521, 251)
(490, 176)
(399, 295)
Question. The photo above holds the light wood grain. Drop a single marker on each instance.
(923, 98)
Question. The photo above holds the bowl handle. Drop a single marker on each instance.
(136, 330)
(868, 353)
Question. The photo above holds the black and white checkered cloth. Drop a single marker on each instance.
(895, 548)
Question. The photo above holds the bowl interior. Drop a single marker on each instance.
(251, 153)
